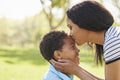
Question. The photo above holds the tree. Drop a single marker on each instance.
(50, 7)
(116, 3)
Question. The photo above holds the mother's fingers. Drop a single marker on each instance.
(55, 63)
(64, 65)
(63, 60)
(52, 61)
(60, 62)
(58, 65)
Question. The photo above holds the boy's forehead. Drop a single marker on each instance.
(70, 38)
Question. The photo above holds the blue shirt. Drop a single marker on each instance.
(53, 74)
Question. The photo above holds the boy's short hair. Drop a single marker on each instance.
(51, 42)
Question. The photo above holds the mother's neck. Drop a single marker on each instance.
(96, 37)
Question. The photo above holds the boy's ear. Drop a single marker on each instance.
(57, 54)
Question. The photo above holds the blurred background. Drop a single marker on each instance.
(23, 23)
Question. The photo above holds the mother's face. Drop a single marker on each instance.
(78, 34)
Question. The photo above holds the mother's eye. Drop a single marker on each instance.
(70, 27)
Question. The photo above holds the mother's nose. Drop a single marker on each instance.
(77, 50)
(70, 33)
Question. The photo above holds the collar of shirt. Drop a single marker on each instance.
(60, 74)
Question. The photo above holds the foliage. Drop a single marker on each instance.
(26, 32)
(29, 31)
(28, 64)
(23, 32)
(51, 7)
(116, 3)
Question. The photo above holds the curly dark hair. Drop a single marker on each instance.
(92, 16)
(51, 42)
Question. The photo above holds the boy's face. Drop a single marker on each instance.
(69, 51)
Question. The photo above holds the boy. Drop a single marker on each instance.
(58, 45)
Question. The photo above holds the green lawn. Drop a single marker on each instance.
(28, 64)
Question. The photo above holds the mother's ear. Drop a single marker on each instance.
(57, 55)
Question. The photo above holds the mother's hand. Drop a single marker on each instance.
(65, 65)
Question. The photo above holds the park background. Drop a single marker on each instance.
(23, 23)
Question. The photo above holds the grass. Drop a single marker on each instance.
(28, 64)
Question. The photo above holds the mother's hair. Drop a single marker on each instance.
(92, 16)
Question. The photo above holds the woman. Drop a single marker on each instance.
(89, 21)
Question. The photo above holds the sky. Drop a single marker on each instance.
(19, 9)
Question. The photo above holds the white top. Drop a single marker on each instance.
(111, 45)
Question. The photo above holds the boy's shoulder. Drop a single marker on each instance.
(53, 74)
(50, 75)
